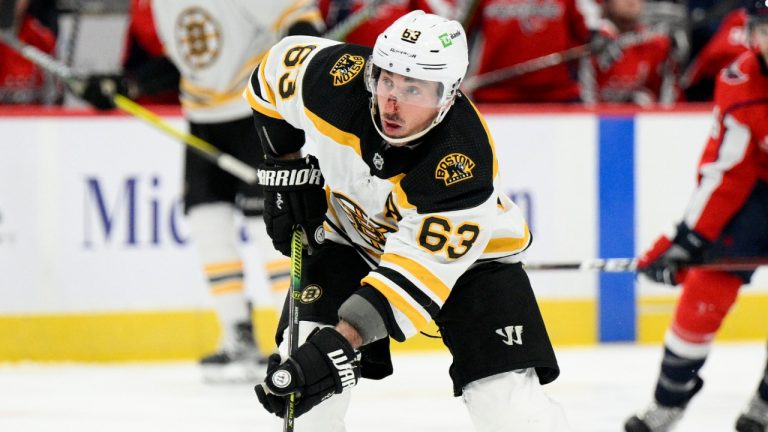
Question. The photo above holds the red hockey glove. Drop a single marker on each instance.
(667, 260)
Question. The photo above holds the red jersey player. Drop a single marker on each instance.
(336, 11)
(726, 45)
(726, 217)
(21, 82)
(646, 71)
(509, 32)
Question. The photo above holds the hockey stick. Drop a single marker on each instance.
(75, 83)
(613, 265)
(341, 30)
(536, 64)
(293, 319)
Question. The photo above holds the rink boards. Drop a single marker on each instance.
(96, 264)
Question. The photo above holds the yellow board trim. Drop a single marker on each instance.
(190, 334)
(421, 273)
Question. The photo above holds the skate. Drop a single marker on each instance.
(755, 418)
(241, 364)
(655, 418)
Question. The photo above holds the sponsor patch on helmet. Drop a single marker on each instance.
(347, 67)
(454, 168)
(445, 39)
(310, 294)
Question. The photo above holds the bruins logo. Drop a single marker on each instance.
(198, 37)
(346, 68)
(310, 294)
(454, 168)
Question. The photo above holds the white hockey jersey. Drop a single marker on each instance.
(216, 44)
(421, 214)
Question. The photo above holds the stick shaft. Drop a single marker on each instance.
(353, 21)
(293, 318)
(630, 264)
(225, 161)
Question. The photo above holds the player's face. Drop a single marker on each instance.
(406, 105)
(760, 38)
(629, 10)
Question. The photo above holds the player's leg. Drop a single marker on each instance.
(501, 356)
(209, 198)
(705, 301)
(513, 401)
(754, 418)
(329, 276)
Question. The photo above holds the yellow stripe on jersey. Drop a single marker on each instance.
(286, 20)
(259, 106)
(191, 101)
(245, 71)
(227, 287)
(397, 191)
(270, 94)
(223, 267)
(508, 244)
(278, 265)
(420, 273)
(398, 301)
(344, 138)
(490, 139)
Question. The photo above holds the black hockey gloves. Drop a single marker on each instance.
(325, 365)
(100, 90)
(665, 261)
(293, 197)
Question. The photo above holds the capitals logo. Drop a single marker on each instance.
(454, 168)
(346, 69)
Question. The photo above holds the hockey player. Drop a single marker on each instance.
(403, 187)
(509, 32)
(725, 218)
(215, 45)
(645, 73)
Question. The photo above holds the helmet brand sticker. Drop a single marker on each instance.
(445, 39)
(346, 68)
(454, 168)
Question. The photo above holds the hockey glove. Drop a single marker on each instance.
(293, 197)
(606, 49)
(666, 261)
(325, 365)
(100, 90)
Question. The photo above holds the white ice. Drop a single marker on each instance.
(598, 388)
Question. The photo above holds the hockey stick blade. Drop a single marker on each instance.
(614, 265)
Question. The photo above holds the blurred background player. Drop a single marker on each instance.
(385, 13)
(21, 81)
(503, 33)
(215, 45)
(728, 43)
(726, 217)
(644, 73)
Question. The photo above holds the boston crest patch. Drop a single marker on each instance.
(346, 68)
(454, 168)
